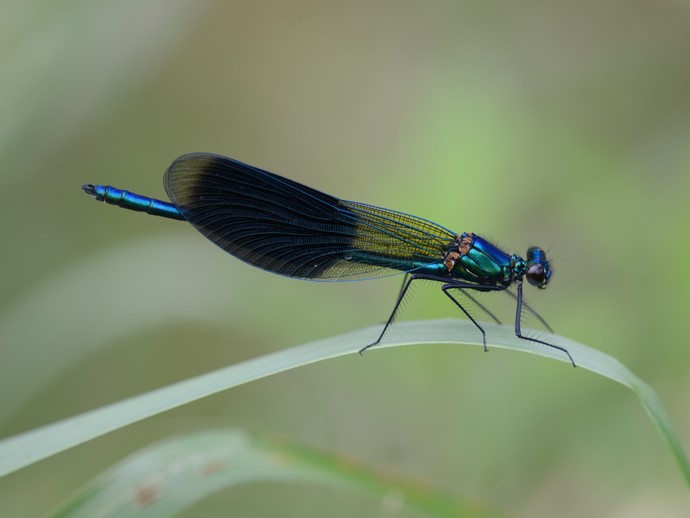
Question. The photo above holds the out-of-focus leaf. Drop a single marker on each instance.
(171, 475)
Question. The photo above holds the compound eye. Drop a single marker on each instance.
(536, 275)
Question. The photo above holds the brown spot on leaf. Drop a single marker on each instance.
(146, 494)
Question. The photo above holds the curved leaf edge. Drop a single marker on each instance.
(29, 447)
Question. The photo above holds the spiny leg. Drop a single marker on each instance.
(518, 332)
(480, 305)
(532, 311)
(445, 289)
(454, 284)
(406, 284)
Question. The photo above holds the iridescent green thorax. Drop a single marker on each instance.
(477, 260)
(474, 259)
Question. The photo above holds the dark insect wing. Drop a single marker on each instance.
(288, 228)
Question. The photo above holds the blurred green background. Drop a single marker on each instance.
(562, 124)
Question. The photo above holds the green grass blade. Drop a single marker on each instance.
(29, 447)
(169, 476)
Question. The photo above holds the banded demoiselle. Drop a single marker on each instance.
(287, 228)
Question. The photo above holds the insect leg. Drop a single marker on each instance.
(532, 311)
(445, 289)
(518, 332)
(410, 277)
(406, 284)
(480, 305)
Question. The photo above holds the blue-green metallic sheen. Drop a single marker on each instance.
(484, 264)
(133, 201)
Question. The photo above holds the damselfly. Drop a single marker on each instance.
(290, 229)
